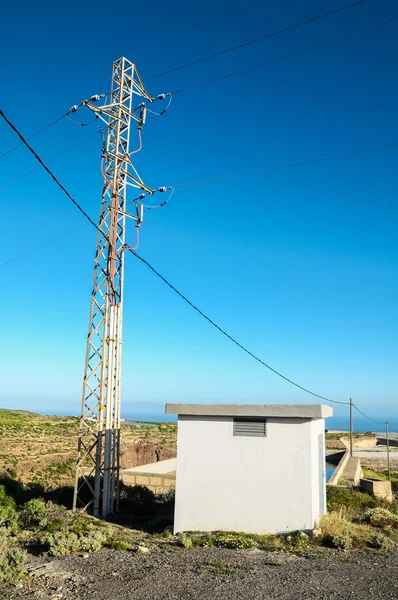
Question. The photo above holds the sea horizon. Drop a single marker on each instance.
(338, 422)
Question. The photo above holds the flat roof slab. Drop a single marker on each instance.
(299, 411)
(162, 467)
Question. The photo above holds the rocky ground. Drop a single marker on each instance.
(210, 573)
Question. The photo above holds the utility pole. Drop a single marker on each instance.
(388, 452)
(350, 426)
(98, 465)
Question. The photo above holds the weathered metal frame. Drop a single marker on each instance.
(98, 464)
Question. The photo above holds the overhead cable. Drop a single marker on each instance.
(42, 245)
(71, 110)
(255, 40)
(34, 135)
(232, 339)
(47, 161)
(278, 58)
(41, 162)
(139, 198)
(366, 416)
(287, 165)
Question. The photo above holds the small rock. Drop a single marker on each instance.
(378, 520)
(142, 549)
(317, 532)
(19, 585)
(86, 555)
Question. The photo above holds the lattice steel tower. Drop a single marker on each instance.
(97, 470)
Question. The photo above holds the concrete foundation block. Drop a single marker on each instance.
(378, 488)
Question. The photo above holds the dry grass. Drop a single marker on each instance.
(340, 532)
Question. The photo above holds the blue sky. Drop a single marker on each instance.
(300, 265)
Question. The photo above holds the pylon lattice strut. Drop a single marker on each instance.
(98, 465)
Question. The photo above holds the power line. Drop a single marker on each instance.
(272, 60)
(366, 416)
(172, 287)
(34, 135)
(286, 166)
(42, 245)
(255, 40)
(206, 58)
(205, 317)
(232, 339)
(273, 34)
(47, 161)
(59, 184)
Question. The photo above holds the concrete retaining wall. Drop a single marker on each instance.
(335, 445)
(158, 483)
(352, 472)
(383, 441)
(362, 442)
(339, 470)
(348, 470)
(344, 442)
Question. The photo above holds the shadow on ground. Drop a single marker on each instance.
(139, 507)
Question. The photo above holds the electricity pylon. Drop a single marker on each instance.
(98, 465)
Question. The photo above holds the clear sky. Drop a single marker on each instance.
(300, 264)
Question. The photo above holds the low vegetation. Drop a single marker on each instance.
(355, 521)
(337, 435)
(35, 518)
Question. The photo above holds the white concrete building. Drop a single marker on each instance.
(252, 468)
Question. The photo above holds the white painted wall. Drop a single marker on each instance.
(256, 485)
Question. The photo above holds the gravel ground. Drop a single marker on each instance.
(209, 573)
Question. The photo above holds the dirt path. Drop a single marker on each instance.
(210, 573)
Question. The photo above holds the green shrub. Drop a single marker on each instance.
(80, 524)
(338, 532)
(354, 502)
(8, 514)
(66, 542)
(350, 500)
(234, 541)
(389, 519)
(342, 541)
(12, 561)
(56, 531)
(185, 541)
(60, 543)
(380, 542)
(206, 539)
(294, 542)
(92, 541)
(117, 545)
(33, 512)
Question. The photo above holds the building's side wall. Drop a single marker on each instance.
(257, 485)
(318, 470)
